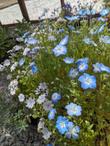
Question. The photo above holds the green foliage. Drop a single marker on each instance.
(7, 41)
(22, 27)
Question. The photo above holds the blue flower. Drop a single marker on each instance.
(101, 28)
(101, 19)
(73, 132)
(34, 68)
(31, 41)
(49, 144)
(87, 81)
(71, 27)
(73, 73)
(91, 12)
(73, 109)
(21, 61)
(72, 18)
(59, 50)
(82, 12)
(99, 67)
(105, 39)
(68, 60)
(60, 30)
(26, 34)
(51, 114)
(82, 67)
(62, 124)
(88, 41)
(64, 41)
(82, 60)
(104, 12)
(56, 97)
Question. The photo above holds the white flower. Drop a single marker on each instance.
(41, 99)
(13, 86)
(42, 86)
(17, 48)
(41, 124)
(1, 67)
(51, 38)
(13, 67)
(30, 103)
(20, 39)
(46, 133)
(6, 62)
(47, 105)
(37, 91)
(26, 50)
(21, 97)
(9, 77)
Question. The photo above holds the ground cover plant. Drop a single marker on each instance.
(60, 74)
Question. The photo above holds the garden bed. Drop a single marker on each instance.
(55, 82)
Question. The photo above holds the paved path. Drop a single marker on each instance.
(35, 9)
(5, 3)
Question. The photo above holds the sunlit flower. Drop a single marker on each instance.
(51, 114)
(71, 27)
(73, 109)
(82, 60)
(72, 18)
(51, 38)
(30, 103)
(101, 28)
(101, 19)
(82, 67)
(6, 62)
(34, 68)
(56, 97)
(31, 41)
(13, 67)
(73, 131)
(99, 67)
(104, 12)
(64, 41)
(13, 86)
(88, 41)
(60, 30)
(82, 12)
(105, 39)
(21, 97)
(43, 86)
(73, 73)
(49, 144)
(90, 12)
(59, 50)
(87, 81)
(62, 124)
(26, 51)
(46, 133)
(41, 124)
(47, 105)
(68, 60)
(41, 99)
(21, 61)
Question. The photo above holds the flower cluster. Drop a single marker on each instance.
(53, 74)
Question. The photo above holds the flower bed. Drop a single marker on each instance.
(60, 74)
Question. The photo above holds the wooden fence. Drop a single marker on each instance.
(25, 13)
(24, 9)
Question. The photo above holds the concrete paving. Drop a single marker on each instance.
(35, 9)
